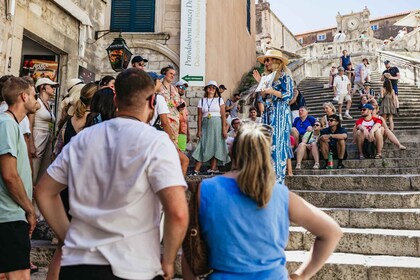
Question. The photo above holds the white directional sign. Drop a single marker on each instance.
(193, 42)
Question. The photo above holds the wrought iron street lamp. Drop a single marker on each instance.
(119, 54)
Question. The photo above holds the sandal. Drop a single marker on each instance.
(361, 157)
(378, 156)
(316, 165)
(401, 147)
(33, 268)
(298, 166)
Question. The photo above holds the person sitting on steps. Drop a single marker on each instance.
(333, 138)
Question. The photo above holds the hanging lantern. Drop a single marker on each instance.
(119, 55)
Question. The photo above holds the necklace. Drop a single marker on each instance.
(129, 117)
(13, 115)
(208, 107)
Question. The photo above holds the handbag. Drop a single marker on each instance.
(194, 247)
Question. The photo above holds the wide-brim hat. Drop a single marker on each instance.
(273, 54)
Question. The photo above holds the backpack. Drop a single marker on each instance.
(369, 149)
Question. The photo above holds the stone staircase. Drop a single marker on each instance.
(375, 201)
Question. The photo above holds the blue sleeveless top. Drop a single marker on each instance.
(244, 241)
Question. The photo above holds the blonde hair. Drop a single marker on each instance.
(279, 66)
(251, 158)
(86, 95)
(329, 104)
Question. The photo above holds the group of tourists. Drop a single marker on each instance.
(119, 162)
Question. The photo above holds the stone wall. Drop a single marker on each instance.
(54, 28)
(271, 32)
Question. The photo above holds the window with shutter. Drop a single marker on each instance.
(133, 15)
(248, 15)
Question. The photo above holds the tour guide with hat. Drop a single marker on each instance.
(276, 106)
(211, 130)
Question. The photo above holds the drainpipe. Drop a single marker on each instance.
(10, 9)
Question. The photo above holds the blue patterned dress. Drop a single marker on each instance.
(277, 114)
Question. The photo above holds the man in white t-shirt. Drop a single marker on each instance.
(342, 92)
(339, 37)
(119, 174)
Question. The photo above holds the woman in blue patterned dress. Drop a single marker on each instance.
(277, 110)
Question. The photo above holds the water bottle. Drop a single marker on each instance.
(330, 163)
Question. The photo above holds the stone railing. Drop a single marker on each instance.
(410, 42)
(333, 50)
(407, 62)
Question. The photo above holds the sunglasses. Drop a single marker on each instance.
(332, 120)
(182, 87)
(364, 109)
(317, 124)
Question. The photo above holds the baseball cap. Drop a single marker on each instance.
(387, 62)
(367, 106)
(155, 76)
(222, 87)
(45, 81)
(181, 83)
(138, 58)
(340, 68)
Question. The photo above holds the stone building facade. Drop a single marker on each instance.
(64, 31)
(353, 24)
(59, 30)
(271, 32)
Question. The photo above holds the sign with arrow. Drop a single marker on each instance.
(192, 66)
(190, 79)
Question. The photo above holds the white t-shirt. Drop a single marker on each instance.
(113, 171)
(24, 123)
(211, 105)
(161, 107)
(341, 82)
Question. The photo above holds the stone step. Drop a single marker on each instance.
(42, 252)
(344, 266)
(408, 219)
(362, 199)
(370, 163)
(362, 171)
(364, 241)
(388, 153)
(354, 182)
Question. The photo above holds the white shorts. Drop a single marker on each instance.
(343, 97)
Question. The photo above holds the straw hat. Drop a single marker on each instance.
(273, 54)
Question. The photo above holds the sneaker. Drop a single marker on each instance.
(347, 116)
(194, 173)
(341, 117)
(340, 166)
(298, 166)
(316, 165)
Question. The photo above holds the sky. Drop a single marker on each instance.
(306, 15)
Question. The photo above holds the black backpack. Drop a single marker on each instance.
(369, 149)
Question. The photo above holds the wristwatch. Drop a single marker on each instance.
(330, 136)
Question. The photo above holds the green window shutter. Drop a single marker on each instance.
(133, 15)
